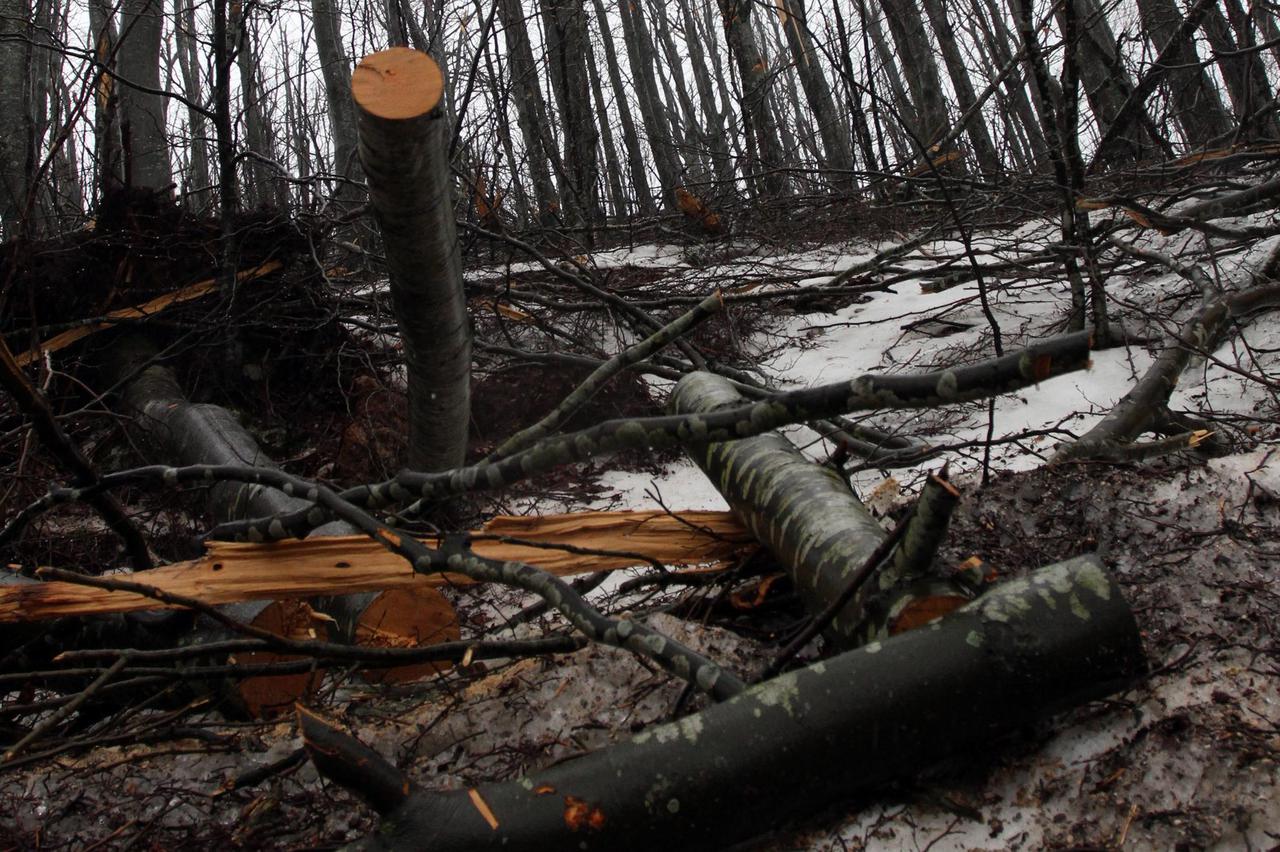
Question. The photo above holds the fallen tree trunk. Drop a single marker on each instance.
(1145, 406)
(805, 514)
(788, 746)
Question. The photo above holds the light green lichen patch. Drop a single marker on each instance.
(872, 648)
(673, 806)
(1078, 609)
(1095, 580)
(1004, 605)
(691, 727)
(974, 638)
(1049, 598)
(948, 387)
(779, 692)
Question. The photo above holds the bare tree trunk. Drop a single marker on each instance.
(1001, 44)
(1107, 84)
(1199, 109)
(108, 158)
(1261, 93)
(404, 148)
(788, 746)
(753, 68)
(904, 111)
(817, 90)
(565, 27)
(613, 171)
(714, 124)
(531, 108)
(984, 150)
(336, 70)
(15, 133)
(652, 111)
(143, 109)
(198, 181)
(916, 57)
(630, 138)
(259, 183)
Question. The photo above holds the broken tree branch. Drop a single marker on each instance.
(1012, 371)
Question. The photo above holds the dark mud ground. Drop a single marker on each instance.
(1185, 760)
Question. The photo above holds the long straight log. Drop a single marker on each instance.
(791, 745)
(804, 513)
(404, 150)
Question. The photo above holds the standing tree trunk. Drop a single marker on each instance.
(834, 132)
(14, 126)
(753, 67)
(984, 151)
(914, 53)
(565, 26)
(143, 112)
(336, 70)
(643, 60)
(717, 145)
(1107, 84)
(613, 170)
(404, 149)
(109, 165)
(531, 109)
(198, 181)
(1199, 109)
(630, 138)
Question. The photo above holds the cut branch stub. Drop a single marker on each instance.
(404, 150)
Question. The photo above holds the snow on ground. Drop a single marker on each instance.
(872, 336)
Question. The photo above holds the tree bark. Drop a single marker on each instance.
(630, 138)
(753, 68)
(791, 745)
(916, 57)
(1200, 111)
(984, 150)
(831, 127)
(336, 70)
(657, 128)
(15, 130)
(143, 112)
(805, 514)
(565, 29)
(198, 182)
(404, 149)
(531, 109)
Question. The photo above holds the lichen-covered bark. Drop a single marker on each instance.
(791, 745)
(804, 513)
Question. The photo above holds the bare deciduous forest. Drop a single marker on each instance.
(551, 424)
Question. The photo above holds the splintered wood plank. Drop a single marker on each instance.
(147, 309)
(335, 565)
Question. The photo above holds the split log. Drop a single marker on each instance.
(404, 150)
(325, 565)
(805, 514)
(789, 746)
